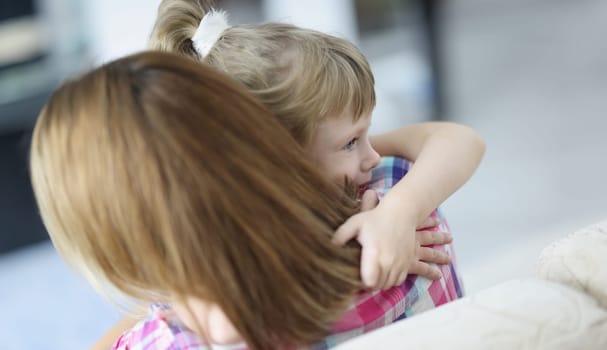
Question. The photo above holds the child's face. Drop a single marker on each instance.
(341, 147)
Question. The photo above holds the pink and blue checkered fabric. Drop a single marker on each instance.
(372, 310)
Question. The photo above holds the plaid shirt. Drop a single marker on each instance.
(161, 330)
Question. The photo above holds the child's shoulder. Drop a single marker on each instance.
(393, 162)
(389, 171)
(160, 330)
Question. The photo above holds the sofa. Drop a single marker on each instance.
(564, 306)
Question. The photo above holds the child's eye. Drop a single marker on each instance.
(351, 144)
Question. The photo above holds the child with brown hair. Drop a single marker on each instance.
(165, 180)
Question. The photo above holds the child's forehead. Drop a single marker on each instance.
(345, 118)
(342, 125)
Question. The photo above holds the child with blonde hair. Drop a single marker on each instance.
(321, 88)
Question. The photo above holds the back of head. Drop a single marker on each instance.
(163, 177)
(302, 75)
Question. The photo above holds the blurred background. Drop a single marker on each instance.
(529, 75)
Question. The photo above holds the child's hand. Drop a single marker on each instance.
(391, 247)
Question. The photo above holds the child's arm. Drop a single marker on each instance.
(445, 155)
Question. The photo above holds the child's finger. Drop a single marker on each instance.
(370, 271)
(401, 278)
(433, 237)
(382, 279)
(391, 280)
(430, 222)
(425, 270)
(369, 200)
(432, 256)
(346, 232)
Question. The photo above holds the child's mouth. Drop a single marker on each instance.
(362, 188)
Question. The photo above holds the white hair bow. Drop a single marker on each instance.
(209, 31)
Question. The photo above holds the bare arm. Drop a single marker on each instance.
(446, 155)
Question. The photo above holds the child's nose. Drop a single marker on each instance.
(371, 159)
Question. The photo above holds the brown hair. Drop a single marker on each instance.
(302, 75)
(163, 177)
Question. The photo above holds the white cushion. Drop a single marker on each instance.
(517, 314)
(579, 260)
